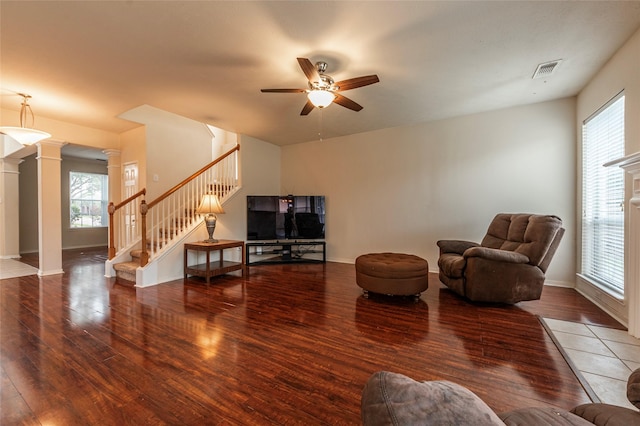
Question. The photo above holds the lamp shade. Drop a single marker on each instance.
(210, 204)
(321, 98)
(24, 135)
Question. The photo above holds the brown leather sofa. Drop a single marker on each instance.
(394, 399)
(510, 263)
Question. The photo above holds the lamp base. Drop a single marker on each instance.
(210, 222)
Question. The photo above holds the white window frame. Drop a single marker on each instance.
(602, 231)
(99, 197)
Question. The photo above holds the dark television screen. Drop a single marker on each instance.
(289, 217)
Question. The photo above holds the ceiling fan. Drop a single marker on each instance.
(323, 90)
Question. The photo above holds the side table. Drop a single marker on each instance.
(212, 268)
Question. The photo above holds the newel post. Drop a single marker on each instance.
(112, 248)
(144, 256)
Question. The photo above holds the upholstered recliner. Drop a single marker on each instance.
(510, 263)
(395, 399)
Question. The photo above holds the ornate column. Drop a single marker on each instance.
(9, 208)
(49, 207)
(115, 174)
(631, 164)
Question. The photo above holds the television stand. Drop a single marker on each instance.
(286, 251)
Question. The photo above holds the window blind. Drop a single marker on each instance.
(603, 197)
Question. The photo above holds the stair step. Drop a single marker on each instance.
(126, 270)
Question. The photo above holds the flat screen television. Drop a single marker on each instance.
(285, 217)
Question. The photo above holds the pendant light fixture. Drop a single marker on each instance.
(25, 134)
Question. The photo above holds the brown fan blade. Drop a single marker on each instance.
(356, 82)
(309, 69)
(308, 107)
(283, 90)
(347, 103)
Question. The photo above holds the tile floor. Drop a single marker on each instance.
(10, 268)
(604, 357)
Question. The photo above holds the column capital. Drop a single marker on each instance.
(10, 165)
(111, 152)
(51, 142)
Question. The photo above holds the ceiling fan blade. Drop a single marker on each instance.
(347, 103)
(309, 69)
(356, 82)
(308, 107)
(282, 90)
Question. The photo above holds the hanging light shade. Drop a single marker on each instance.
(321, 98)
(25, 134)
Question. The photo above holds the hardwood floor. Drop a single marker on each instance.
(286, 344)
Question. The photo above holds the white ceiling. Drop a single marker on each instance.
(86, 62)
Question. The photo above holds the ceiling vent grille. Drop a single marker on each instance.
(546, 69)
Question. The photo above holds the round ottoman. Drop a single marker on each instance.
(394, 274)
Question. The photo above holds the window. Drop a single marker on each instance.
(603, 198)
(88, 198)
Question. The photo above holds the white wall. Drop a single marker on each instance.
(9, 211)
(176, 147)
(133, 145)
(402, 189)
(260, 174)
(620, 73)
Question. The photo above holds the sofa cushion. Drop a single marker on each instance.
(394, 399)
(542, 416)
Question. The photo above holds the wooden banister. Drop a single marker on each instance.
(112, 208)
(164, 218)
(192, 177)
(130, 199)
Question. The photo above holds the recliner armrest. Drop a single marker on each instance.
(496, 254)
(633, 388)
(455, 246)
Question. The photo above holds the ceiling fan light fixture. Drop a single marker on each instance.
(321, 98)
(23, 134)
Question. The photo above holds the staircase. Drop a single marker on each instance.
(166, 222)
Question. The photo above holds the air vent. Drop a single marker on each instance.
(546, 69)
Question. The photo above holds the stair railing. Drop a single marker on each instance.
(124, 218)
(174, 213)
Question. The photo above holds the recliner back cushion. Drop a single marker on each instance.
(528, 234)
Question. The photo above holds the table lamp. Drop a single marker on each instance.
(210, 205)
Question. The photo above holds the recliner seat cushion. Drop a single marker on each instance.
(452, 265)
